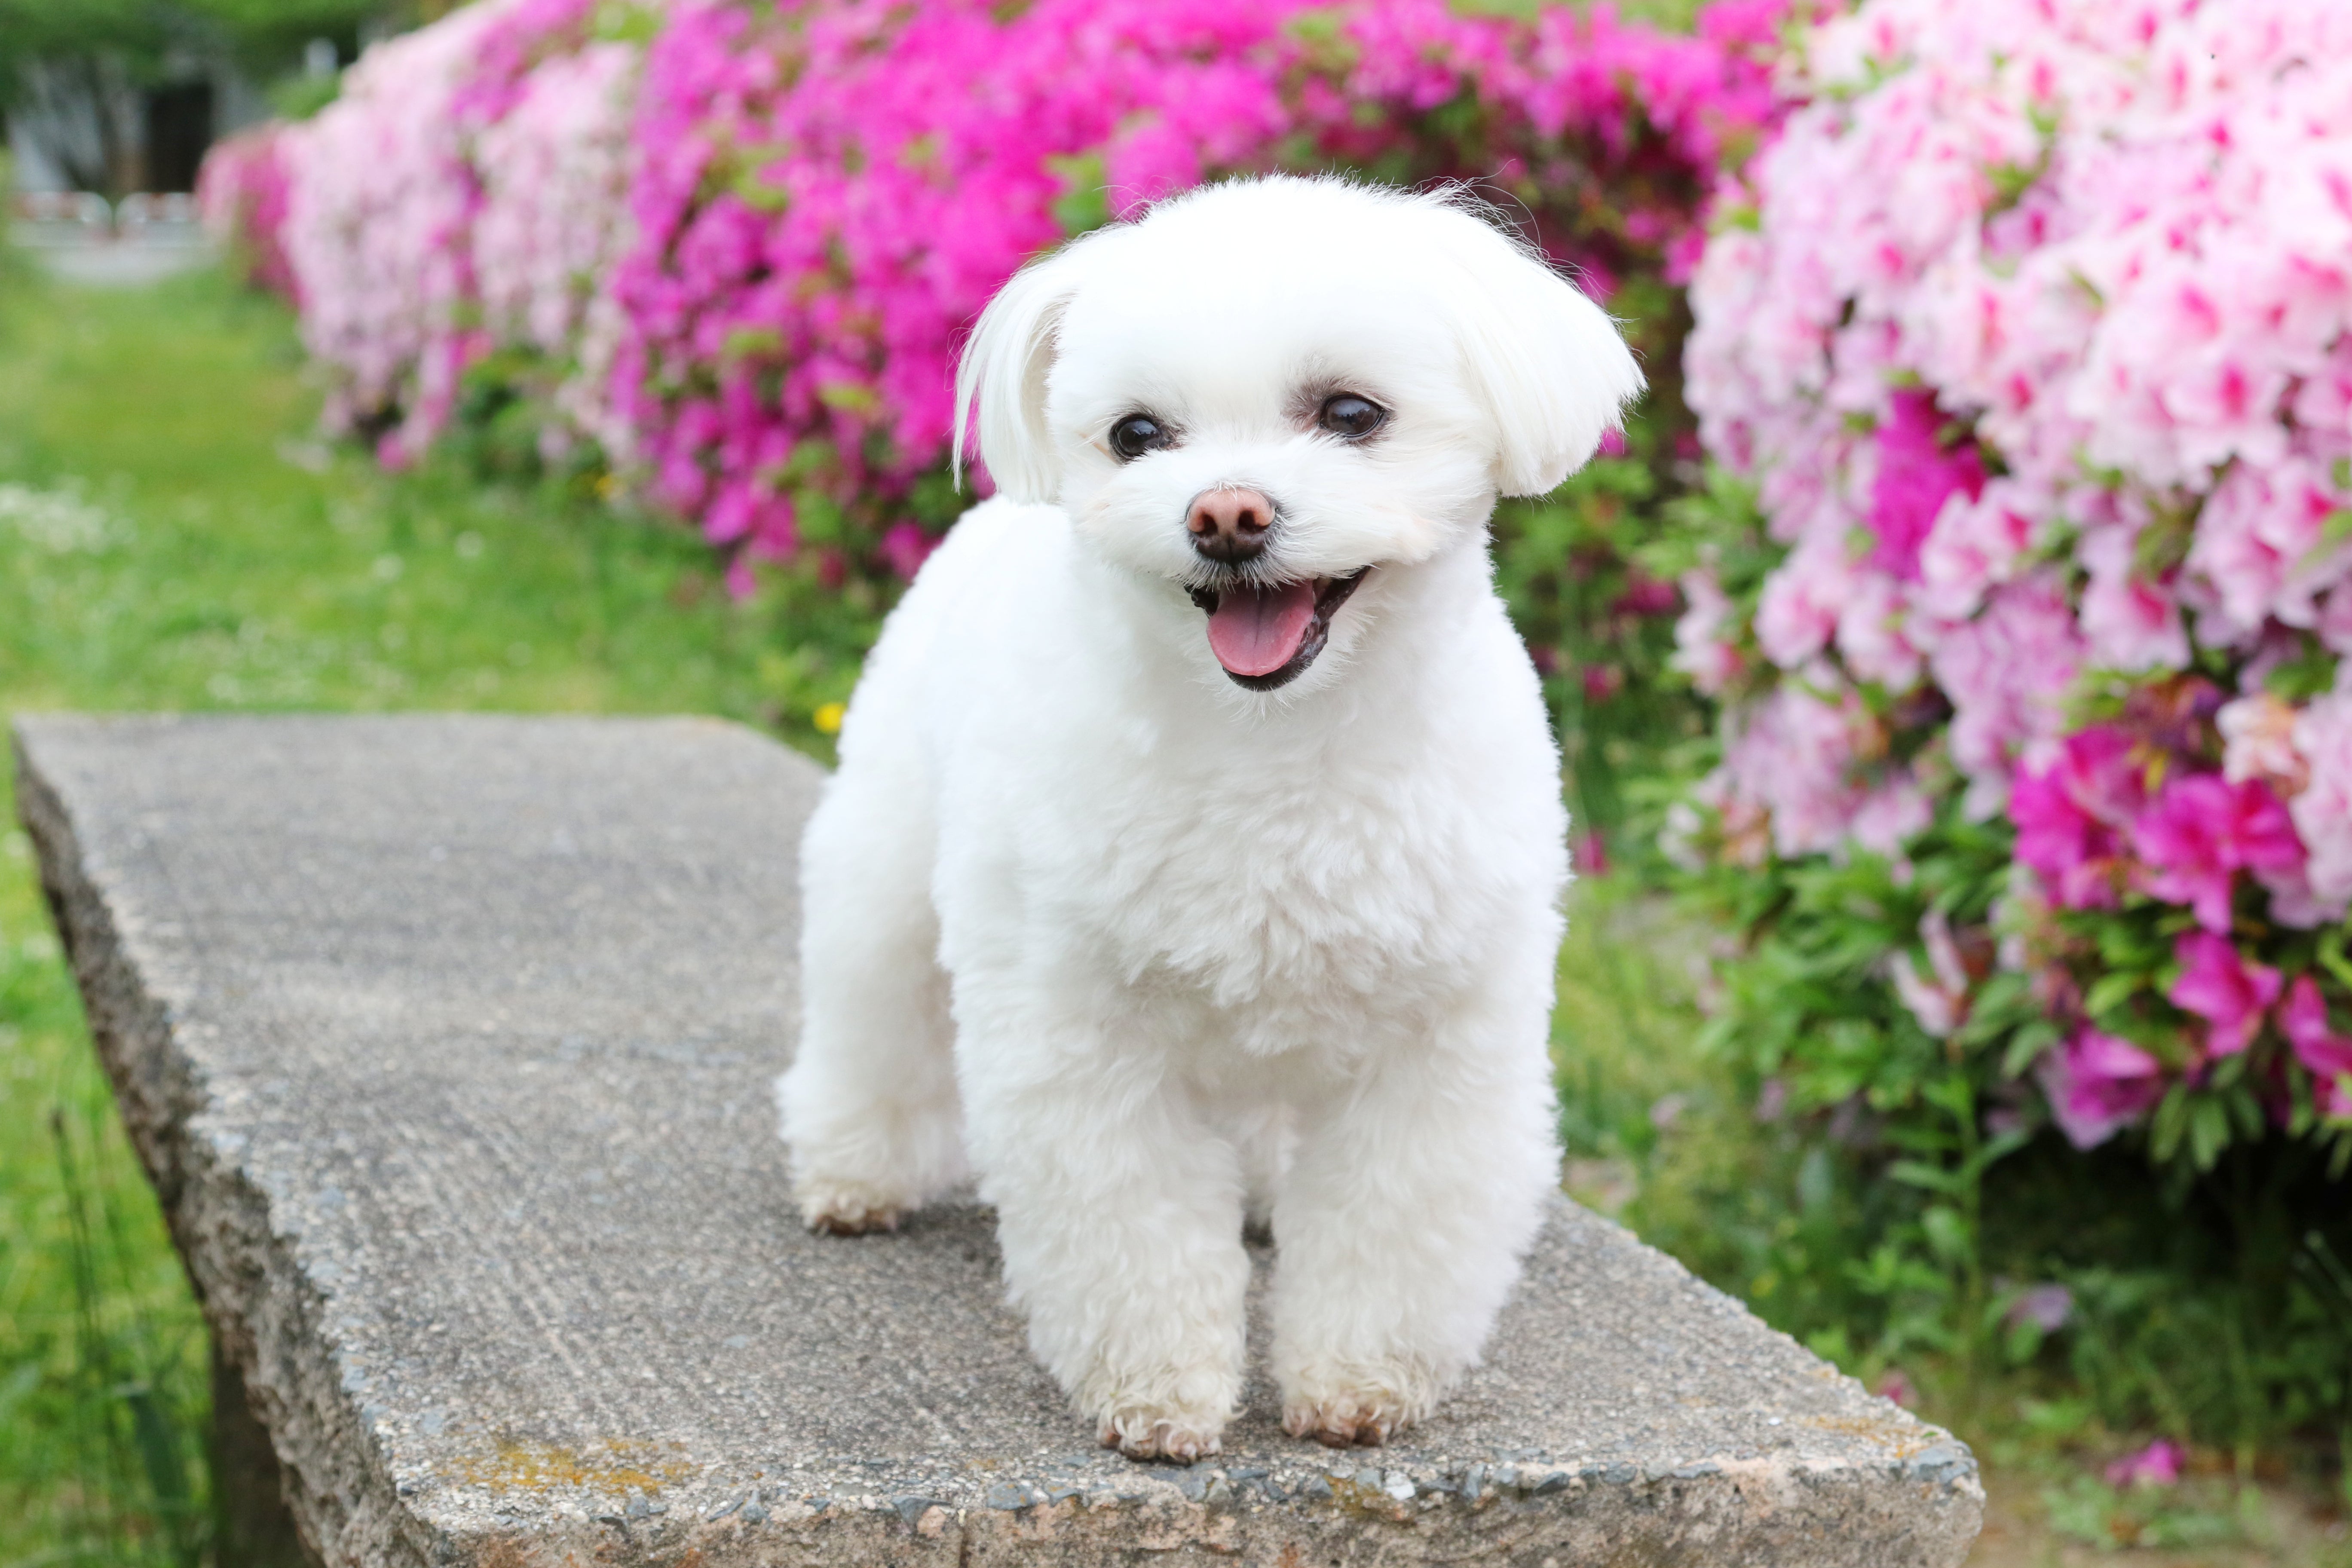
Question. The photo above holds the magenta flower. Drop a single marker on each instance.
(2158, 1465)
(2203, 830)
(2100, 773)
(2324, 1053)
(2067, 817)
(2061, 841)
(2097, 1085)
(906, 547)
(2220, 986)
(1916, 475)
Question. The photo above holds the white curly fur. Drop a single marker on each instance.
(1146, 948)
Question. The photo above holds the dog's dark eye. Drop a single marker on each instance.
(1138, 434)
(1350, 415)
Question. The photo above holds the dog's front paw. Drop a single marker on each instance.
(1345, 1421)
(1361, 1408)
(846, 1208)
(1143, 1432)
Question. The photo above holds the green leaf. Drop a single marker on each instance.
(2026, 1045)
(2170, 1124)
(1084, 202)
(2331, 956)
(2112, 991)
(1948, 1235)
(849, 397)
(2334, 529)
(2209, 1130)
(616, 21)
(1934, 1178)
(750, 342)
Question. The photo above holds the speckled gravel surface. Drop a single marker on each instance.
(447, 1041)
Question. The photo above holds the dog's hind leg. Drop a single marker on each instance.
(869, 1104)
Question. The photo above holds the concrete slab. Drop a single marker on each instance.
(447, 1041)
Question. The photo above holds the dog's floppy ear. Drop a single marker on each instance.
(1555, 374)
(1003, 371)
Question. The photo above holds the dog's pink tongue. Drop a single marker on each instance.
(1255, 631)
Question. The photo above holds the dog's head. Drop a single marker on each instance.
(1261, 392)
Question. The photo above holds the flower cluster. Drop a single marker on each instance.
(2031, 334)
(389, 201)
(554, 173)
(827, 195)
(241, 195)
(751, 234)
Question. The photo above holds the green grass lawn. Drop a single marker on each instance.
(174, 535)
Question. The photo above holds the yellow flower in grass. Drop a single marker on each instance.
(828, 718)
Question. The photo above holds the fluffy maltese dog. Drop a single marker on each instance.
(1196, 852)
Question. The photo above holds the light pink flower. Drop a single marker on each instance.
(2047, 1307)
(1975, 546)
(2129, 623)
(2258, 741)
(1703, 647)
(2005, 672)
(1801, 602)
(2323, 812)
(1874, 633)
(1937, 998)
(1896, 812)
(2262, 544)
(1793, 756)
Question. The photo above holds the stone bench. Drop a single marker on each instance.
(447, 1042)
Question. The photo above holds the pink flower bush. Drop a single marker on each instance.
(745, 251)
(826, 196)
(376, 225)
(554, 173)
(241, 193)
(386, 198)
(2032, 333)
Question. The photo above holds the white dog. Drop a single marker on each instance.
(1197, 845)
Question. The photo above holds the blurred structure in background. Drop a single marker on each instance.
(118, 97)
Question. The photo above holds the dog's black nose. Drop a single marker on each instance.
(1230, 524)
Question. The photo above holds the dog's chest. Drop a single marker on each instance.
(1315, 887)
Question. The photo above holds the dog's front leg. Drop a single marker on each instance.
(1120, 1214)
(1400, 1225)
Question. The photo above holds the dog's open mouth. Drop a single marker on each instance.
(1266, 636)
